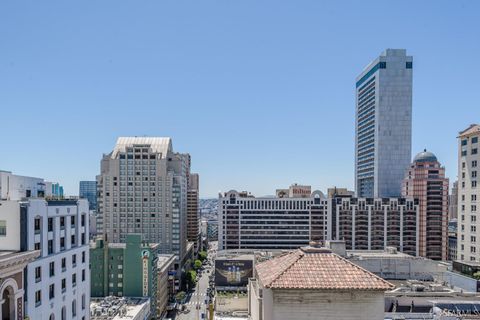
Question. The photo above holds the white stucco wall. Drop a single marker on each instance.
(10, 213)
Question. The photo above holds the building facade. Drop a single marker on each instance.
(375, 224)
(88, 190)
(14, 187)
(58, 280)
(165, 283)
(142, 189)
(126, 269)
(193, 216)
(425, 180)
(246, 222)
(453, 202)
(468, 194)
(383, 125)
(12, 262)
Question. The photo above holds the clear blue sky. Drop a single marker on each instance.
(260, 93)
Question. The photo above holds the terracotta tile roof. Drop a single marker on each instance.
(313, 268)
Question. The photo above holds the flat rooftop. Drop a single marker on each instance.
(118, 308)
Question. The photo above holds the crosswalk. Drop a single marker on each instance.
(199, 294)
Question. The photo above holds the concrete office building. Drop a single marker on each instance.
(126, 269)
(59, 280)
(88, 190)
(142, 189)
(453, 202)
(375, 224)
(193, 216)
(246, 222)
(468, 194)
(383, 130)
(425, 180)
(302, 285)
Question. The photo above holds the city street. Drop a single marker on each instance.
(199, 296)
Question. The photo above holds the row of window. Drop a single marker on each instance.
(38, 297)
(473, 151)
(465, 141)
(50, 223)
(51, 288)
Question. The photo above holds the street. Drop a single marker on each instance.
(199, 296)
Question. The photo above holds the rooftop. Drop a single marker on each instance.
(119, 308)
(471, 130)
(425, 156)
(317, 268)
(157, 144)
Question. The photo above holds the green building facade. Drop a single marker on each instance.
(124, 269)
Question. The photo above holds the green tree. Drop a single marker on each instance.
(202, 255)
(197, 265)
(476, 275)
(191, 278)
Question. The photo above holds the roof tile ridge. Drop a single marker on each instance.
(299, 255)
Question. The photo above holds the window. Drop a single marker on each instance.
(464, 142)
(64, 285)
(38, 298)
(463, 165)
(83, 302)
(83, 238)
(52, 269)
(37, 225)
(51, 291)
(83, 275)
(83, 257)
(64, 264)
(474, 197)
(464, 153)
(50, 246)
(474, 174)
(50, 224)
(72, 221)
(37, 246)
(62, 243)
(74, 308)
(73, 240)
(38, 274)
(463, 175)
(74, 280)
(62, 222)
(3, 228)
(74, 260)
(474, 184)
(383, 65)
(474, 163)
(474, 151)
(474, 139)
(409, 65)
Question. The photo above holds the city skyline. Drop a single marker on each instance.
(274, 89)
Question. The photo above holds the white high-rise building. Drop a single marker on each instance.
(468, 194)
(143, 189)
(383, 125)
(58, 282)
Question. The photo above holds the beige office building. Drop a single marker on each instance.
(143, 189)
(468, 194)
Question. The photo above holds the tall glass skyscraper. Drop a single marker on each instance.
(383, 125)
(88, 190)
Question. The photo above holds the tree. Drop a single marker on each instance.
(202, 255)
(191, 278)
(476, 275)
(197, 264)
